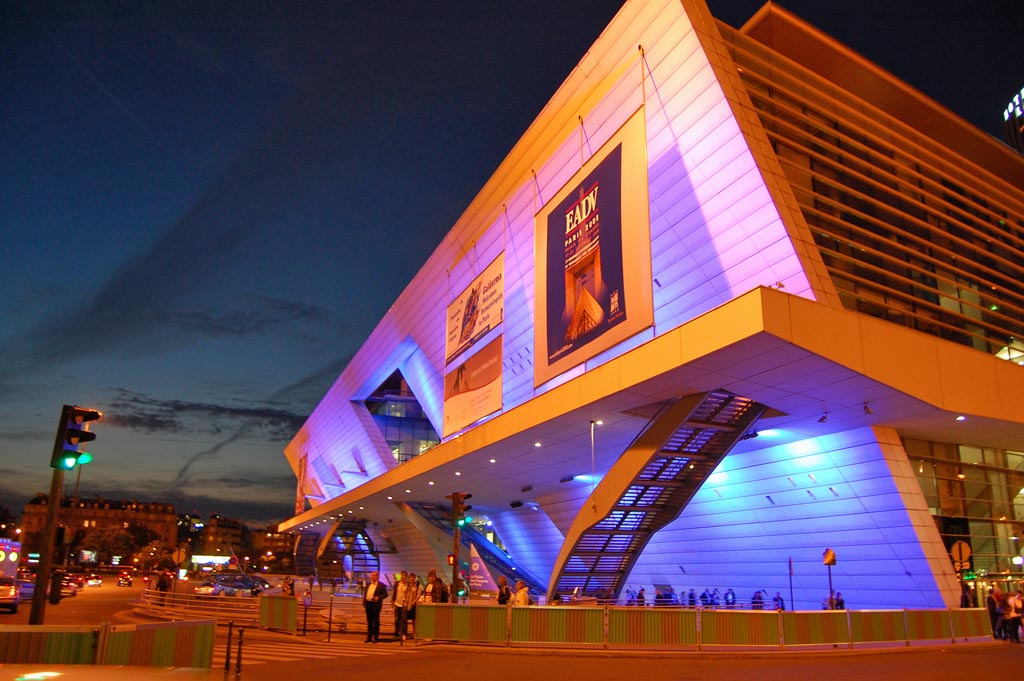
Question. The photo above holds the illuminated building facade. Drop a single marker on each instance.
(81, 515)
(736, 297)
(1013, 122)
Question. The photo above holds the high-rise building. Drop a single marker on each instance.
(738, 304)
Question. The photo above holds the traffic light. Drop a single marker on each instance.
(451, 559)
(72, 433)
(460, 587)
(460, 509)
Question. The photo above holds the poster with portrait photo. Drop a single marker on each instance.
(593, 260)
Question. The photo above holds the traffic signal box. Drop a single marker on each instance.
(72, 434)
(460, 509)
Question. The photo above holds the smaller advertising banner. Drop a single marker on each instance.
(477, 310)
(473, 389)
(480, 580)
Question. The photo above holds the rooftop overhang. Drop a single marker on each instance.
(819, 369)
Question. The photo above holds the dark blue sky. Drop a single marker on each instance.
(207, 206)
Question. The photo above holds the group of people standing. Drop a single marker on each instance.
(1004, 611)
(405, 594)
(521, 596)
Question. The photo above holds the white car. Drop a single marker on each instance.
(10, 594)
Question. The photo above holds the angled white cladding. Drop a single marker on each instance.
(845, 491)
(716, 230)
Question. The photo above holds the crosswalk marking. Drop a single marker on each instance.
(259, 652)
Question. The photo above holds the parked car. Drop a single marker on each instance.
(94, 580)
(26, 587)
(124, 579)
(9, 593)
(68, 586)
(232, 585)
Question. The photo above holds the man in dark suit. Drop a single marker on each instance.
(373, 599)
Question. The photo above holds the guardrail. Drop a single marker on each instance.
(312, 611)
(614, 627)
(161, 644)
(241, 610)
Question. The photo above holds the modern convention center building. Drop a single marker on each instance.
(736, 298)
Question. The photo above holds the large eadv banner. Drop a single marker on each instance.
(593, 258)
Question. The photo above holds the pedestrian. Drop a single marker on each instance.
(966, 597)
(840, 601)
(779, 601)
(995, 612)
(398, 601)
(427, 592)
(757, 602)
(411, 596)
(641, 599)
(691, 598)
(730, 598)
(435, 590)
(1012, 606)
(374, 596)
(163, 585)
(522, 593)
(504, 591)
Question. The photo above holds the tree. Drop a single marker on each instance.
(8, 523)
(141, 535)
(157, 555)
(108, 542)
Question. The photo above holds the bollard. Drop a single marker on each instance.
(227, 648)
(238, 657)
(307, 600)
(95, 645)
(330, 618)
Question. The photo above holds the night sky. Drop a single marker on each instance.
(206, 207)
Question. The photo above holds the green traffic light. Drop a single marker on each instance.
(462, 521)
(71, 458)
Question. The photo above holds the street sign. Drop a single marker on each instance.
(960, 551)
(178, 556)
(960, 566)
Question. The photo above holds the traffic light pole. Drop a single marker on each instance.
(456, 512)
(72, 430)
(38, 612)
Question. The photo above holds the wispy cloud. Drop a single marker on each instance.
(264, 419)
(146, 414)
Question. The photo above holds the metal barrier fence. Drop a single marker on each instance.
(240, 610)
(315, 611)
(697, 629)
(160, 644)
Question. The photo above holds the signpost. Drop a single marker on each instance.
(829, 558)
(960, 552)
